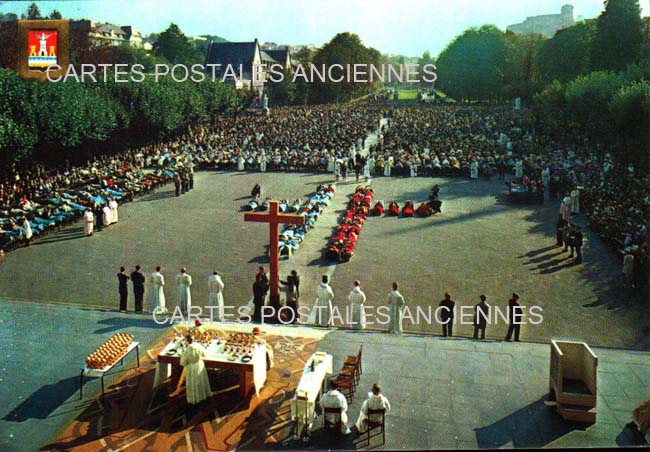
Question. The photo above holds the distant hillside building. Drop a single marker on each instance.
(247, 55)
(546, 24)
(109, 34)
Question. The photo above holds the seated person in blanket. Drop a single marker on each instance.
(425, 210)
(408, 210)
(377, 210)
(393, 209)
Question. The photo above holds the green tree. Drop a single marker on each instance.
(344, 49)
(56, 15)
(566, 55)
(33, 13)
(520, 65)
(617, 41)
(630, 108)
(471, 66)
(176, 47)
(424, 60)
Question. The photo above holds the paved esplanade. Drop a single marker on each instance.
(479, 244)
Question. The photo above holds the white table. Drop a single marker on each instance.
(303, 404)
(101, 373)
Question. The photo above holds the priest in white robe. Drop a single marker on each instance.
(107, 217)
(89, 222)
(158, 303)
(335, 399)
(240, 163)
(197, 384)
(114, 214)
(395, 303)
(263, 163)
(473, 169)
(321, 313)
(375, 401)
(519, 169)
(184, 281)
(357, 299)
(388, 165)
(215, 294)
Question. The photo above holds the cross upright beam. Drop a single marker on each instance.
(274, 218)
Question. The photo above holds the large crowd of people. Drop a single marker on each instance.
(420, 140)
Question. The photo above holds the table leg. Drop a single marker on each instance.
(176, 375)
(81, 384)
(245, 382)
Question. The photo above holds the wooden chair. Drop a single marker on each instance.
(380, 423)
(348, 372)
(345, 383)
(355, 363)
(330, 425)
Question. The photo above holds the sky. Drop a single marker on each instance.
(407, 27)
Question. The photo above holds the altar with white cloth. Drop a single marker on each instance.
(251, 367)
(303, 404)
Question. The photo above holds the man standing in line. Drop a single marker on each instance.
(566, 235)
(395, 304)
(215, 297)
(575, 201)
(114, 214)
(357, 299)
(447, 315)
(628, 270)
(89, 221)
(123, 278)
(158, 293)
(184, 281)
(559, 230)
(321, 312)
(577, 244)
(514, 317)
(481, 317)
(137, 278)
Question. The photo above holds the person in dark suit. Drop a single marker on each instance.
(99, 215)
(260, 287)
(577, 244)
(293, 294)
(481, 317)
(514, 317)
(559, 230)
(137, 278)
(447, 315)
(123, 278)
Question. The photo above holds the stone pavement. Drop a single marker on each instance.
(43, 349)
(481, 243)
(466, 394)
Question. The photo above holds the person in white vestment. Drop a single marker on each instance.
(565, 207)
(473, 169)
(357, 299)
(519, 169)
(197, 384)
(395, 303)
(184, 281)
(240, 163)
(114, 214)
(89, 222)
(263, 163)
(388, 166)
(375, 401)
(27, 231)
(575, 201)
(158, 303)
(107, 217)
(321, 313)
(215, 298)
(335, 399)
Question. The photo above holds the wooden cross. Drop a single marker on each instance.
(273, 217)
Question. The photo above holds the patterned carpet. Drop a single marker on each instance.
(135, 418)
